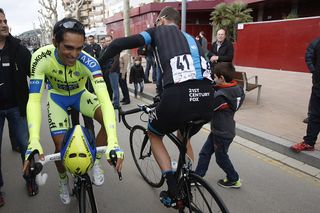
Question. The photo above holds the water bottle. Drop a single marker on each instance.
(174, 165)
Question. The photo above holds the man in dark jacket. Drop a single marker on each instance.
(112, 69)
(222, 49)
(14, 92)
(313, 62)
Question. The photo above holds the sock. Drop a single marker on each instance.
(98, 158)
(63, 177)
(171, 182)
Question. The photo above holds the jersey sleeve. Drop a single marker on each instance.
(34, 113)
(100, 89)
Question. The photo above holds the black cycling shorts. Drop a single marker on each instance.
(180, 103)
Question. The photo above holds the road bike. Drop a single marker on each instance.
(196, 194)
(82, 185)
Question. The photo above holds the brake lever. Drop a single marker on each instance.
(113, 158)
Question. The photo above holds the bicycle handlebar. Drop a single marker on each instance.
(145, 108)
(42, 178)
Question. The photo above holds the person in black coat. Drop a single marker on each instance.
(222, 50)
(312, 59)
(137, 75)
(14, 92)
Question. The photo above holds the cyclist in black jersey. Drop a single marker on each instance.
(187, 91)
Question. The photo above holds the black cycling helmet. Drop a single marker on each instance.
(67, 25)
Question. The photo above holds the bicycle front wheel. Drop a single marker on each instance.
(82, 198)
(86, 197)
(140, 146)
(199, 196)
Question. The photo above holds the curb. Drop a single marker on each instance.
(278, 144)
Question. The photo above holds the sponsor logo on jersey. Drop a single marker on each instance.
(100, 81)
(35, 85)
(37, 59)
(68, 87)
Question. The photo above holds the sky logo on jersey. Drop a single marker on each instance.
(35, 85)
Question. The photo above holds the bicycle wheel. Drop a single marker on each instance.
(143, 158)
(82, 198)
(87, 204)
(199, 196)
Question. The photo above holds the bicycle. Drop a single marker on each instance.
(195, 193)
(82, 185)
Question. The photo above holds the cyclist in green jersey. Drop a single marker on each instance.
(67, 69)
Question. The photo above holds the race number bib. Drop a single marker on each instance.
(182, 68)
(206, 67)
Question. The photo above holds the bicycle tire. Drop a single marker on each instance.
(86, 204)
(146, 164)
(82, 198)
(200, 196)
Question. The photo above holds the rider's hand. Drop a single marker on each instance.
(34, 146)
(120, 156)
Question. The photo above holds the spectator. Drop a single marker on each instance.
(105, 67)
(150, 63)
(14, 93)
(91, 47)
(124, 62)
(222, 49)
(228, 98)
(204, 43)
(137, 76)
(113, 70)
(313, 62)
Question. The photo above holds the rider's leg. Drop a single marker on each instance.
(189, 147)
(163, 159)
(102, 135)
(160, 152)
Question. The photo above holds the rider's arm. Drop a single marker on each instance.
(117, 45)
(100, 89)
(34, 111)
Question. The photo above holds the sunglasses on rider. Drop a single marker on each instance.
(71, 25)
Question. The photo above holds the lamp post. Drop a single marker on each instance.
(183, 15)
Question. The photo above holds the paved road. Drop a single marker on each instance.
(268, 186)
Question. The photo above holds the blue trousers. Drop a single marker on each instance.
(150, 63)
(20, 132)
(114, 81)
(220, 147)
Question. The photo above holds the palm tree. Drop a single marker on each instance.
(228, 16)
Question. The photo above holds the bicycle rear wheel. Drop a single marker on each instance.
(143, 158)
(199, 196)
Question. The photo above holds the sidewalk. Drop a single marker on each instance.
(277, 122)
